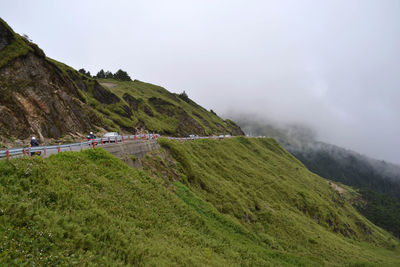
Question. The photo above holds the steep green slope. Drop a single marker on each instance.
(265, 189)
(222, 203)
(148, 106)
(378, 182)
(90, 208)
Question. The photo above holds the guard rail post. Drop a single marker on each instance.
(129, 138)
(102, 141)
(109, 140)
(134, 137)
(122, 139)
(29, 150)
(116, 139)
(45, 151)
(93, 143)
(59, 148)
(8, 154)
(24, 152)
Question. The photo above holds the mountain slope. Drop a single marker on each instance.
(49, 99)
(207, 202)
(377, 181)
(265, 189)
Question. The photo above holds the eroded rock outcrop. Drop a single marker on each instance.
(39, 99)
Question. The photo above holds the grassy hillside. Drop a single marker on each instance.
(132, 105)
(265, 189)
(208, 202)
(90, 208)
(160, 110)
(378, 182)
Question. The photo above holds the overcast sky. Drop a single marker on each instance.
(333, 65)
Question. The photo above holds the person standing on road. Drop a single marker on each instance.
(91, 138)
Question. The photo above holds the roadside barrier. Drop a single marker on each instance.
(54, 149)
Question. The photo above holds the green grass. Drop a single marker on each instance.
(167, 111)
(263, 188)
(207, 202)
(89, 208)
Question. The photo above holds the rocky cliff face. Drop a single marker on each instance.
(45, 98)
(37, 99)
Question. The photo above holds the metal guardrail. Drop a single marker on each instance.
(53, 149)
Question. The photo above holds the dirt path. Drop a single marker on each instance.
(109, 85)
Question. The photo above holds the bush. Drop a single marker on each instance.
(184, 96)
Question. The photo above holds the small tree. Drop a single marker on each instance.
(84, 72)
(101, 74)
(108, 75)
(27, 37)
(184, 96)
(122, 76)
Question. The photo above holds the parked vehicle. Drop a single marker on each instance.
(110, 137)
